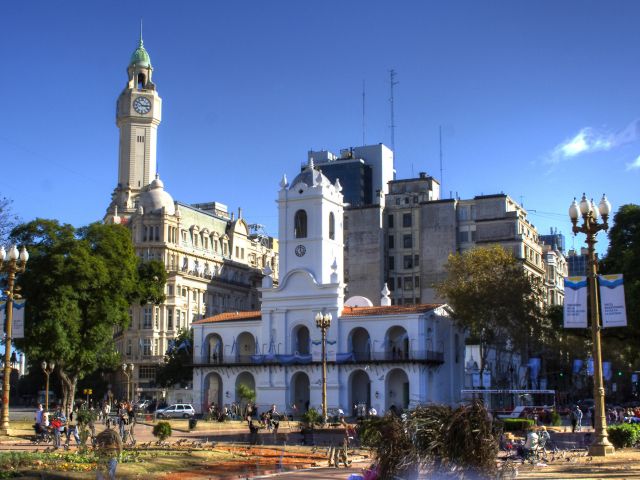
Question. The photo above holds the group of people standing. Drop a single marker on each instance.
(57, 424)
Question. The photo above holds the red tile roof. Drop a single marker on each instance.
(347, 312)
(388, 310)
(230, 317)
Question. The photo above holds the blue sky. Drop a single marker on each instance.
(536, 99)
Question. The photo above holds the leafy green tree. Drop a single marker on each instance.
(494, 299)
(79, 284)
(623, 257)
(177, 368)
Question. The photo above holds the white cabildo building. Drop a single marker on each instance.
(378, 356)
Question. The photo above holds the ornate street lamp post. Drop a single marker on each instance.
(47, 368)
(128, 371)
(590, 227)
(11, 263)
(323, 322)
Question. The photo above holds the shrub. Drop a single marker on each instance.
(624, 435)
(162, 430)
(517, 424)
(311, 417)
(246, 393)
(84, 417)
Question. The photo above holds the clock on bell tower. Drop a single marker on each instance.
(138, 114)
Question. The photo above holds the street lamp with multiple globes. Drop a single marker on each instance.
(128, 371)
(47, 368)
(11, 263)
(323, 322)
(590, 227)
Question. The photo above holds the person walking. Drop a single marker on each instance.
(58, 423)
(123, 420)
(106, 410)
(72, 428)
(574, 417)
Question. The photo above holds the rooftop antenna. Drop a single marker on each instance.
(392, 83)
(363, 111)
(441, 175)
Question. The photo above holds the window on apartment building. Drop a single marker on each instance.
(406, 219)
(177, 319)
(416, 260)
(169, 290)
(399, 283)
(129, 347)
(300, 224)
(407, 241)
(408, 283)
(463, 236)
(416, 282)
(473, 234)
(407, 261)
(146, 347)
(391, 284)
(390, 220)
(194, 295)
(183, 322)
(184, 292)
(392, 241)
(392, 263)
(147, 372)
(332, 226)
(156, 317)
(146, 317)
(169, 319)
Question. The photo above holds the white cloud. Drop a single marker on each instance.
(634, 165)
(585, 141)
(589, 140)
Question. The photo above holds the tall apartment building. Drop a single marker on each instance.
(578, 262)
(407, 241)
(214, 259)
(364, 172)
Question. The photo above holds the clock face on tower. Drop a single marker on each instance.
(142, 105)
(300, 250)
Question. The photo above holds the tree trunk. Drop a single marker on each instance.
(69, 383)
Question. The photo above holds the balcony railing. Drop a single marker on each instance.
(421, 356)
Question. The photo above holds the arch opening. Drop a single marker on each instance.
(300, 224)
(300, 390)
(397, 390)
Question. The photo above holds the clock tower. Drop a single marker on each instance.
(138, 114)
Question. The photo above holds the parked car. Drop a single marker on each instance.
(142, 405)
(178, 410)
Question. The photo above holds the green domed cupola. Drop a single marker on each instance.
(140, 56)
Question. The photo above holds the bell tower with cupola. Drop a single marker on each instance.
(310, 226)
(138, 114)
